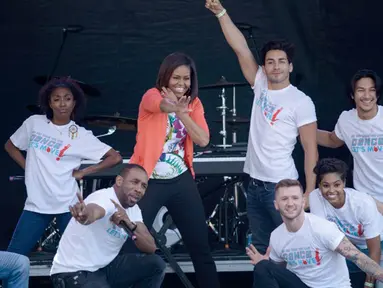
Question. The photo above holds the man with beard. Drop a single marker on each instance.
(310, 247)
(87, 255)
(280, 113)
(361, 129)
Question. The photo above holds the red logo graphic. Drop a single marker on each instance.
(317, 256)
(62, 151)
(274, 118)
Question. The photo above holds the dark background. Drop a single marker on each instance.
(123, 43)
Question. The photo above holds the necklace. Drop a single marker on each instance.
(63, 127)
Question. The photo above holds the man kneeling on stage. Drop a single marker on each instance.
(312, 249)
(88, 253)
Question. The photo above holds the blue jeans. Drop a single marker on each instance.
(14, 270)
(262, 215)
(30, 227)
(126, 270)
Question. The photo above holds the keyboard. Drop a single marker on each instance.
(204, 165)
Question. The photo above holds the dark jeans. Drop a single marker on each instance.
(127, 270)
(271, 275)
(30, 227)
(183, 201)
(262, 215)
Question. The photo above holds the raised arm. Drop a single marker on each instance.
(328, 139)
(366, 264)
(236, 40)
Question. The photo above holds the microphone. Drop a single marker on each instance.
(73, 29)
(127, 230)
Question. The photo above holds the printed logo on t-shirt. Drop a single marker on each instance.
(48, 144)
(297, 257)
(269, 110)
(346, 227)
(117, 232)
(366, 143)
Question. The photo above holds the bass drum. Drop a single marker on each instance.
(172, 235)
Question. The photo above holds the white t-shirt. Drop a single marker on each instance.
(364, 139)
(53, 152)
(359, 217)
(275, 118)
(91, 247)
(310, 253)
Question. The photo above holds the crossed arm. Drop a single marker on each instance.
(366, 264)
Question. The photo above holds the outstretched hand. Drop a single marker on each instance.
(178, 105)
(168, 94)
(79, 211)
(255, 256)
(214, 6)
(183, 104)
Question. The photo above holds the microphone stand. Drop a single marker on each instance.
(249, 28)
(258, 58)
(55, 63)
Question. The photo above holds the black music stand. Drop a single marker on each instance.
(160, 239)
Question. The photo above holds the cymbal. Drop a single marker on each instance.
(234, 120)
(88, 89)
(223, 83)
(121, 123)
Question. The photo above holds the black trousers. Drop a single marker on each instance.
(183, 201)
(128, 270)
(271, 275)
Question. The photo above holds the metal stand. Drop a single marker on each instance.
(160, 239)
(111, 130)
(234, 114)
(223, 109)
(224, 220)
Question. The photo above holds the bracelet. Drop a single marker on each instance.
(368, 284)
(220, 14)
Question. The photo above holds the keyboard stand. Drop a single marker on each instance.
(160, 239)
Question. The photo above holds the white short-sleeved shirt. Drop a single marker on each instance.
(91, 247)
(364, 139)
(310, 253)
(275, 119)
(53, 152)
(359, 217)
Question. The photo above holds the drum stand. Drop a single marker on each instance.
(230, 182)
(230, 223)
(223, 109)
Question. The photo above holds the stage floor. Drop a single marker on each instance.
(226, 261)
